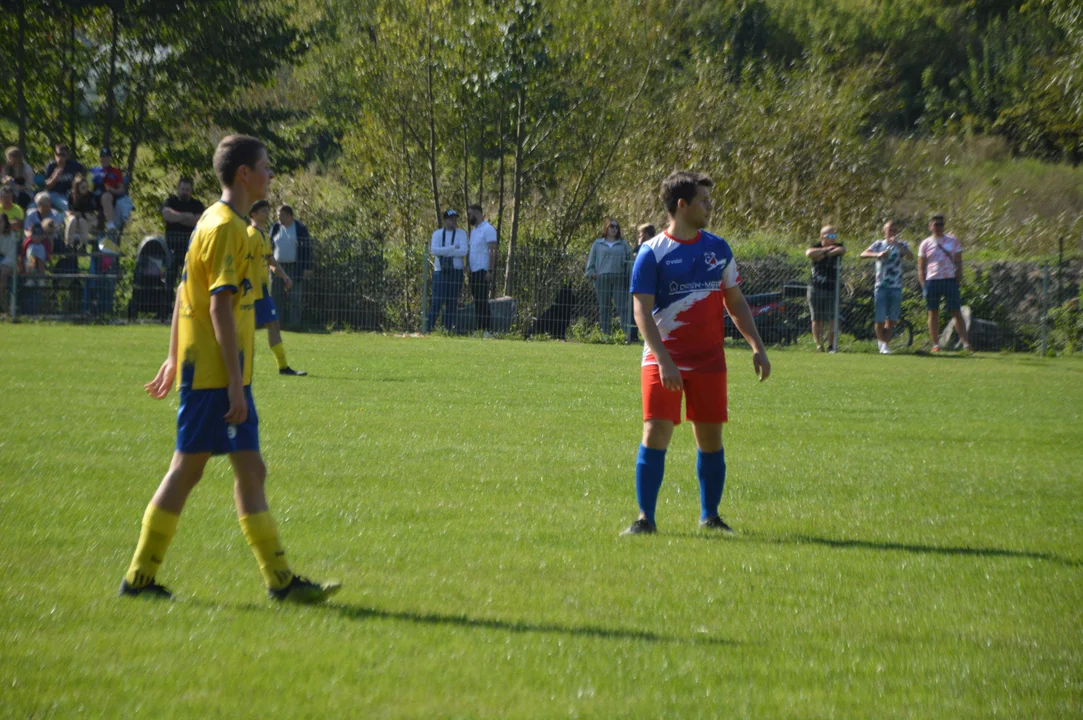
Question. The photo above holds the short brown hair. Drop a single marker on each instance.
(185, 179)
(682, 185)
(477, 207)
(936, 216)
(234, 152)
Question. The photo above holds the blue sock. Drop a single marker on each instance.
(650, 467)
(711, 469)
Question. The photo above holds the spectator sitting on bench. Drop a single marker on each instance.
(113, 195)
(60, 174)
(82, 214)
(19, 176)
(42, 211)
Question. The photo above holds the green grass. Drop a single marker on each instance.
(910, 538)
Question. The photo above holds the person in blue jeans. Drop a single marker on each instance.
(889, 254)
(449, 247)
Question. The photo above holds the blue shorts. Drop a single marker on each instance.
(947, 288)
(201, 426)
(266, 312)
(888, 304)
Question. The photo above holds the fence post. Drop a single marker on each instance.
(14, 295)
(425, 291)
(1045, 305)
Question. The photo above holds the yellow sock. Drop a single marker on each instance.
(262, 534)
(159, 527)
(279, 351)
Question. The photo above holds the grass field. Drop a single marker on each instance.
(910, 538)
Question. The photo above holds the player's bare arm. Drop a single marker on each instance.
(742, 318)
(225, 332)
(158, 388)
(648, 329)
(277, 270)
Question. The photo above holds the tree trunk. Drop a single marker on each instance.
(432, 129)
(500, 149)
(517, 193)
(72, 110)
(481, 164)
(20, 74)
(466, 159)
(110, 89)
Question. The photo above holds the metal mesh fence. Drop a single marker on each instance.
(376, 285)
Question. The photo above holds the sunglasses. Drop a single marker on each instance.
(833, 236)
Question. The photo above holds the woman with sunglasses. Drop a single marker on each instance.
(825, 254)
(607, 265)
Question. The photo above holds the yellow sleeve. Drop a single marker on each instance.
(222, 255)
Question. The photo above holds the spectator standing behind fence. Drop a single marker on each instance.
(82, 214)
(449, 247)
(10, 242)
(940, 271)
(266, 312)
(180, 212)
(607, 265)
(826, 255)
(60, 174)
(19, 176)
(293, 253)
(482, 259)
(8, 207)
(112, 192)
(889, 254)
(646, 232)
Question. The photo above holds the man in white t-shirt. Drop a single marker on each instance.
(940, 269)
(482, 260)
(449, 247)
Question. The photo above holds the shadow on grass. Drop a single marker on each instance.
(895, 547)
(358, 612)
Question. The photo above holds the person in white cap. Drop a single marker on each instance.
(449, 247)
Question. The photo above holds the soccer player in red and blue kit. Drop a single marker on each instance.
(681, 281)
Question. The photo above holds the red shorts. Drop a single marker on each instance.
(705, 393)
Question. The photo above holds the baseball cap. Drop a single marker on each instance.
(105, 151)
(450, 213)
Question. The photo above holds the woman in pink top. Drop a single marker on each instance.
(940, 269)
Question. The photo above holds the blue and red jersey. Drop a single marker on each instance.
(687, 278)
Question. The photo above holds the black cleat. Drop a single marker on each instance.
(642, 526)
(717, 524)
(290, 371)
(151, 590)
(304, 592)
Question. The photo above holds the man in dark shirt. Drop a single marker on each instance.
(181, 212)
(826, 255)
(59, 175)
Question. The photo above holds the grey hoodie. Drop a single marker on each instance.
(606, 260)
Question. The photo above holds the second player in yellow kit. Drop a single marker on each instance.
(211, 343)
(266, 312)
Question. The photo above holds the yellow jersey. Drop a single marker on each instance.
(263, 241)
(221, 256)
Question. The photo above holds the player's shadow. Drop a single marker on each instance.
(899, 547)
(358, 612)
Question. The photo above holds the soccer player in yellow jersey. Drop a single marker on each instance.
(211, 340)
(266, 313)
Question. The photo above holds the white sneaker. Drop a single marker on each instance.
(885, 350)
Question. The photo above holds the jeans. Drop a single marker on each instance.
(290, 306)
(612, 289)
(479, 288)
(446, 286)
